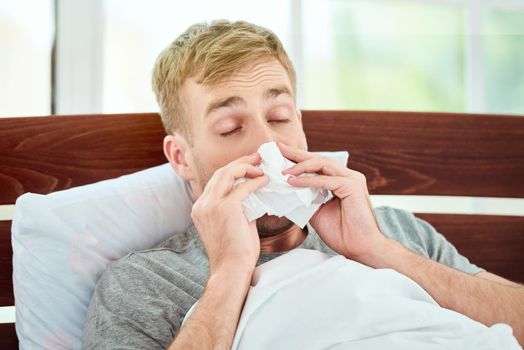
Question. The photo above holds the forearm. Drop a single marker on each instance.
(213, 323)
(482, 300)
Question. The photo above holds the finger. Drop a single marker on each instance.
(320, 165)
(294, 154)
(222, 181)
(337, 184)
(253, 158)
(211, 186)
(241, 191)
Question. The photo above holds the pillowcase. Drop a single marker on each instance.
(63, 241)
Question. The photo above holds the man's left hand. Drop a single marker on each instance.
(346, 223)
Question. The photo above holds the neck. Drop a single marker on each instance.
(284, 241)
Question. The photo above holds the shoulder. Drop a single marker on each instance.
(158, 273)
(392, 220)
(178, 258)
(176, 254)
(393, 217)
(182, 252)
(145, 295)
(421, 237)
(403, 226)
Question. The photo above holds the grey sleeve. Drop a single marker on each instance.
(422, 238)
(441, 250)
(130, 310)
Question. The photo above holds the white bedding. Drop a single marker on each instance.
(307, 300)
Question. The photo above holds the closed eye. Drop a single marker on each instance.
(225, 134)
(278, 121)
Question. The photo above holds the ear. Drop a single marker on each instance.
(177, 153)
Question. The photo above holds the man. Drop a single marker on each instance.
(224, 89)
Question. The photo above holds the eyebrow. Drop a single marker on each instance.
(237, 100)
(273, 93)
(224, 102)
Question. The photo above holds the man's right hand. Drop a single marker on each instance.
(231, 242)
(232, 246)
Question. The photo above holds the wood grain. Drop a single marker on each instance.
(495, 243)
(426, 153)
(46, 154)
(6, 265)
(399, 152)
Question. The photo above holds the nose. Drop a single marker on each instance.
(265, 133)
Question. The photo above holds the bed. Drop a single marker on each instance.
(408, 153)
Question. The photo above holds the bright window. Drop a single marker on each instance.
(430, 55)
(504, 61)
(136, 32)
(26, 38)
(349, 54)
(383, 55)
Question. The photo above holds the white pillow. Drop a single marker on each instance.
(63, 241)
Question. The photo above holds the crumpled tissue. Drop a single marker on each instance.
(278, 197)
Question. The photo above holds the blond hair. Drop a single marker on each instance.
(211, 53)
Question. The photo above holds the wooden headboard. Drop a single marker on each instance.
(399, 152)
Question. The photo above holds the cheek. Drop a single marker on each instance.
(209, 158)
(301, 137)
(201, 171)
(304, 141)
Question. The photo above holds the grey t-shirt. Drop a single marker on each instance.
(142, 298)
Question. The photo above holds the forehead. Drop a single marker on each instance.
(256, 74)
(255, 80)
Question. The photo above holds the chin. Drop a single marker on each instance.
(271, 225)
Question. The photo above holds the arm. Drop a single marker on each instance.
(233, 248)
(348, 226)
(488, 299)
(214, 321)
(489, 276)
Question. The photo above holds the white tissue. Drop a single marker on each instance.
(280, 198)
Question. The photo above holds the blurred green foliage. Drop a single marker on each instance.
(504, 61)
(403, 55)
